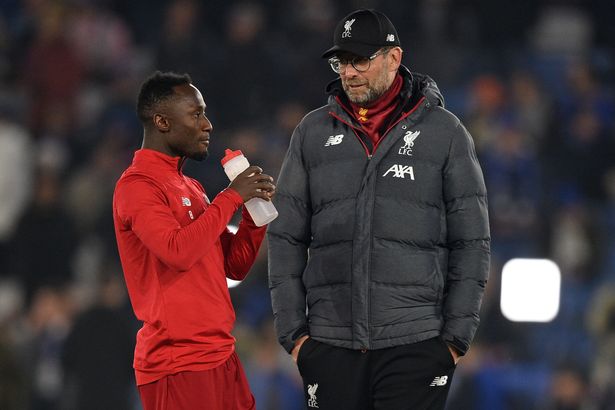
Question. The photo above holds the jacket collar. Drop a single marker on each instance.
(150, 157)
(415, 87)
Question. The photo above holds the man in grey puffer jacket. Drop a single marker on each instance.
(379, 258)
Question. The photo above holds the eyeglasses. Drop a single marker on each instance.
(361, 64)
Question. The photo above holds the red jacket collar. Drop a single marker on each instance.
(157, 158)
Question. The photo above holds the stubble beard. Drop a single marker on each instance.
(199, 156)
(367, 97)
(195, 153)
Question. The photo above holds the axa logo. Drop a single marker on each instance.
(312, 400)
(439, 381)
(334, 140)
(409, 142)
(347, 28)
(400, 171)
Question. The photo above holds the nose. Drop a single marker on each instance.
(207, 125)
(348, 70)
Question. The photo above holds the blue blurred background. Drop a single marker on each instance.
(532, 80)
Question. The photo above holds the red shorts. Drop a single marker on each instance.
(222, 388)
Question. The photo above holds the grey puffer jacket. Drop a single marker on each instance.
(374, 251)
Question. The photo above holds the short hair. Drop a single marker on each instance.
(157, 88)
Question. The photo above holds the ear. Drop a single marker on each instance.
(161, 122)
(396, 54)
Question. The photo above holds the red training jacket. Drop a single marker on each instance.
(176, 254)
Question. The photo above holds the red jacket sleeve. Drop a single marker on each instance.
(142, 205)
(241, 249)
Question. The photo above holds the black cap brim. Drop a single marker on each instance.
(363, 50)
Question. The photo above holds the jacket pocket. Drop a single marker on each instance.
(446, 353)
(304, 351)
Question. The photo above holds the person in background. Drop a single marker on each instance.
(97, 352)
(379, 258)
(177, 252)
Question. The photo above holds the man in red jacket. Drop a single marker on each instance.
(176, 253)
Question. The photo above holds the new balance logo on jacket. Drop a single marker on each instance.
(334, 140)
(400, 171)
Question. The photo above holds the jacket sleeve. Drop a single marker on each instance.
(289, 237)
(240, 249)
(468, 241)
(142, 206)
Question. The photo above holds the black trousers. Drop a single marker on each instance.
(409, 377)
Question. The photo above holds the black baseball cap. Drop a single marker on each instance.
(363, 32)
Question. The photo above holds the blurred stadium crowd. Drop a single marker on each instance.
(532, 80)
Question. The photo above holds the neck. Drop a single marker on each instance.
(156, 143)
(391, 80)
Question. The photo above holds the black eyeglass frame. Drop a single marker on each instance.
(361, 64)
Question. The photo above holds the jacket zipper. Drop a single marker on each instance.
(371, 219)
(369, 267)
(355, 130)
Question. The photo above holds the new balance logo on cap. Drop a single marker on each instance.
(439, 381)
(400, 171)
(334, 140)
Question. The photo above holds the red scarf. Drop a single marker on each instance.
(373, 117)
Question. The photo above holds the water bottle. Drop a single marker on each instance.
(261, 211)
